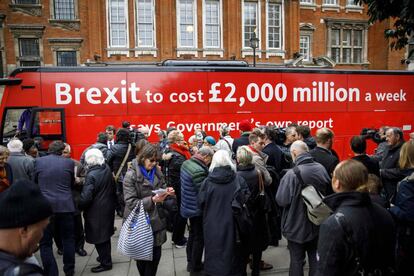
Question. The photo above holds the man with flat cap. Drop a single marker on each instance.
(24, 214)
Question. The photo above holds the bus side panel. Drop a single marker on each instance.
(384, 92)
(86, 93)
(25, 94)
(168, 93)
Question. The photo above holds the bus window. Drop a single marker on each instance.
(48, 125)
(15, 123)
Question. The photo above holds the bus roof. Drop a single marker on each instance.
(214, 67)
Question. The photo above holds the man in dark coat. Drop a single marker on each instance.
(300, 232)
(116, 155)
(24, 214)
(22, 165)
(55, 176)
(359, 146)
(323, 152)
(245, 128)
(273, 152)
(389, 171)
(97, 201)
(193, 173)
(357, 228)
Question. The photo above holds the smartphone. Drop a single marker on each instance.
(159, 191)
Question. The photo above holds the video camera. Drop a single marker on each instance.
(373, 134)
(277, 134)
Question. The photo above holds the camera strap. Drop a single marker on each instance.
(123, 163)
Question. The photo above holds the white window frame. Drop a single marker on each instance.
(309, 49)
(307, 2)
(328, 2)
(194, 24)
(258, 26)
(213, 50)
(281, 26)
(141, 50)
(118, 49)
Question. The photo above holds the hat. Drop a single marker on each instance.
(210, 140)
(245, 126)
(23, 204)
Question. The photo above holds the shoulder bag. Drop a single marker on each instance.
(116, 176)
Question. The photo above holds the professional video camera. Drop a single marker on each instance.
(278, 135)
(135, 135)
(373, 134)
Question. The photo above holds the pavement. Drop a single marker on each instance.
(173, 261)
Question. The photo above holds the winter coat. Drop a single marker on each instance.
(403, 209)
(9, 264)
(370, 163)
(22, 166)
(260, 234)
(100, 146)
(243, 140)
(225, 143)
(221, 256)
(389, 171)
(310, 142)
(117, 154)
(327, 158)
(173, 165)
(296, 226)
(368, 225)
(193, 173)
(275, 156)
(97, 200)
(259, 160)
(137, 188)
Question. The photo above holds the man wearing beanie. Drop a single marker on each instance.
(245, 128)
(24, 214)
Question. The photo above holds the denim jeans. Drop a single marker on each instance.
(297, 257)
(65, 223)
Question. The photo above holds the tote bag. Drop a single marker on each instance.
(136, 239)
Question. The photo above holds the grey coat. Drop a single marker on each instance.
(137, 188)
(296, 226)
(22, 166)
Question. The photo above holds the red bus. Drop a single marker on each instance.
(75, 103)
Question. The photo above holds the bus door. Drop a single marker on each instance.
(47, 125)
(15, 123)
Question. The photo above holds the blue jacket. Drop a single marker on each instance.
(403, 209)
(55, 176)
(193, 173)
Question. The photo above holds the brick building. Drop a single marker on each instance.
(78, 32)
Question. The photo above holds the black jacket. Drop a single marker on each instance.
(325, 157)
(243, 140)
(221, 256)
(370, 163)
(389, 171)
(98, 202)
(368, 225)
(274, 156)
(116, 155)
(8, 264)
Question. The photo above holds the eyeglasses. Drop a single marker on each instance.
(152, 160)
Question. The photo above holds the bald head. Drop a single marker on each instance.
(297, 148)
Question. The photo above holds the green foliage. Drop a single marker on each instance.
(400, 10)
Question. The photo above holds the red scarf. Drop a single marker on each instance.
(181, 149)
(253, 149)
(4, 182)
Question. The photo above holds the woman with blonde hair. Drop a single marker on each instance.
(403, 211)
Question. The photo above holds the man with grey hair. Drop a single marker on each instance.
(193, 172)
(300, 232)
(22, 166)
(389, 169)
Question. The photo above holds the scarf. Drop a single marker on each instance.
(4, 182)
(253, 149)
(183, 150)
(149, 175)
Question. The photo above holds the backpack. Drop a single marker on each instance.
(317, 210)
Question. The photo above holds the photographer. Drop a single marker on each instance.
(122, 148)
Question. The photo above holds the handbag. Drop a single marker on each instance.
(317, 210)
(136, 239)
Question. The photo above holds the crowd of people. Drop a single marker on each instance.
(234, 197)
